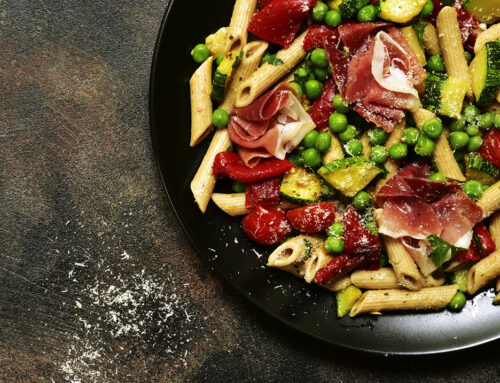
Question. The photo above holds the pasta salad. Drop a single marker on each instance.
(362, 140)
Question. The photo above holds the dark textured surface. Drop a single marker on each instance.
(97, 281)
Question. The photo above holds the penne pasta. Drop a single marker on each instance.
(431, 41)
(335, 152)
(203, 182)
(496, 300)
(491, 34)
(338, 284)
(318, 259)
(385, 278)
(495, 229)
(490, 200)
(366, 145)
(269, 74)
(201, 104)
(232, 204)
(386, 300)
(443, 155)
(450, 40)
(237, 33)
(289, 256)
(252, 55)
(486, 270)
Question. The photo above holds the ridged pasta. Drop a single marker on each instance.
(338, 284)
(237, 33)
(335, 152)
(431, 41)
(232, 204)
(491, 34)
(490, 200)
(200, 86)
(366, 145)
(385, 278)
(486, 270)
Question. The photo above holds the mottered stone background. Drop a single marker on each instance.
(97, 281)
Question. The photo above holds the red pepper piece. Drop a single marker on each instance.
(471, 255)
(338, 266)
(229, 164)
(490, 150)
(318, 34)
(266, 227)
(313, 218)
(279, 21)
(357, 239)
(372, 265)
(263, 193)
(487, 244)
(323, 107)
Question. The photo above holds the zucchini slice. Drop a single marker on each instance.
(346, 299)
(445, 95)
(459, 277)
(350, 8)
(400, 11)
(301, 186)
(222, 76)
(479, 169)
(485, 73)
(350, 175)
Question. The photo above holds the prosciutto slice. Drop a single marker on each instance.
(353, 35)
(359, 74)
(319, 35)
(339, 63)
(271, 126)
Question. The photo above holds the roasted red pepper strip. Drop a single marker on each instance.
(468, 255)
(487, 244)
(318, 34)
(263, 193)
(279, 21)
(357, 238)
(313, 218)
(338, 266)
(490, 150)
(323, 107)
(229, 164)
(266, 227)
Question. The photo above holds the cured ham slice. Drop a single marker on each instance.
(271, 126)
(323, 107)
(419, 251)
(318, 35)
(369, 114)
(359, 74)
(279, 20)
(353, 35)
(339, 63)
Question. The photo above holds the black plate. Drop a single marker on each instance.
(220, 241)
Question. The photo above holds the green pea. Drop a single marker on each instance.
(474, 189)
(313, 89)
(458, 301)
(362, 200)
(200, 53)
(339, 105)
(334, 245)
(333, 18)
(438, 177)
(436, 64)
(471, 113)
(427, 9)
(377, 136)
(319, 58)
(424, 146)
(238, 187)
(410, 136)
(367, 13)
(472, 130)
(219, 60)
(353, 147)
(474, 144)
(323, 142)
(310, 139)
(458, 125)
(398, 151)
(486, 121)
(298, 88)
(337, 122)
(311, 157)
(303, 72)
(336, 229)
(459, 140)
(433, 128)
(378, 154)
(468, 56)
(459, 155)
(319, 12)
(350, 133)
(496, 122)
(320, 74)
(220, 118)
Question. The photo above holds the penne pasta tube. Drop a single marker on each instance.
(431, 41)
(252, 55)
(438, 278)
(386, 300)
(335, 152)
(318, 259)
(385, 278)
(292, 255)
(450, 40)
(338, 284)
(268, 74)
(491, 34)
(490, 200)
(201, 104)
(496, 300)
(406, 271)
(237, 33)
(495, 229)
(232, 204)
(366, 145)
(443, 155)
(486, 270)
(203, 182)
